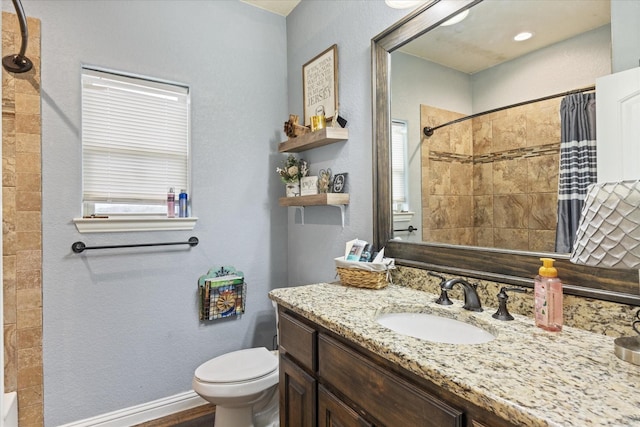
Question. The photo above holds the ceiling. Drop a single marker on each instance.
(281, 7)
(485, 38)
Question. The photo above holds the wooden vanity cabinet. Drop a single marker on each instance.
(327, 381)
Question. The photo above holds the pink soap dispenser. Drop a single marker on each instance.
(548, 297)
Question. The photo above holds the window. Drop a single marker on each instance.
(135, 143)
(399, 164)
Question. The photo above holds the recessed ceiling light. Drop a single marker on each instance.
(402, 4)
(459, 17)
(525, 35)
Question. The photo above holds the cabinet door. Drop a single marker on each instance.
(385, 396)
(333, 413)
(297, 396)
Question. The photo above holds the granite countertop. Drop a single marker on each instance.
(525, 375)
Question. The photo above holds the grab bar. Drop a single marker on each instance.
(79, 247)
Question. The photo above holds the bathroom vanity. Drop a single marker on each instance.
(339, 366)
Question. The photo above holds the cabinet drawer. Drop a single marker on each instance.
(298, 340)
(388, 398)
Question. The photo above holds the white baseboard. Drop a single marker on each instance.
(143, 412)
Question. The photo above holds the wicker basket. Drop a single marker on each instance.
(363, 275)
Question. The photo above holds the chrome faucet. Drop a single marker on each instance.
(471, 299)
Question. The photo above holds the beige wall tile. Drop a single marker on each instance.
(28, 201)
(461, 141)
(483, 237)
(29, 337)
(29, 357)
(29, 318)
(29, 221)
(439, 178)
(27, 162)
(10, 22)
(21, 211)
(482, 137)
(543, 214)
(30, 396)
(543, 173)
(29, 279)
(28, 104)
(10, 357)
(482, 178)
(29, 299)
(9, 176)
(31, 182)
(483, 211)
(510, 176)
(28, 240)
(29, 377)
(28, 123)
(28, 260)
(509, 133)
(508, 238)
(28, 143)
(542, 240)
(461, 178)
(511, 211)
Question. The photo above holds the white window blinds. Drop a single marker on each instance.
(399, 161)
(135, 139)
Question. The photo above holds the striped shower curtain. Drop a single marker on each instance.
(577, 163)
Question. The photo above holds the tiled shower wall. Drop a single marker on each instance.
(22, 231)
(493, 180)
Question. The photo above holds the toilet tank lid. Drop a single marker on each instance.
(237, 366)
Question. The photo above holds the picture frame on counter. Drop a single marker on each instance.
(340, 183)
(308, 185)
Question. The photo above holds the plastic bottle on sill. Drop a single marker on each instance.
(182, 204)
(171, 204)
(548, 297)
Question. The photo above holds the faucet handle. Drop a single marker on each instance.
(443, 299)
(503, 313)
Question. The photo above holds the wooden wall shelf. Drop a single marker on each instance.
(324, 199)
(339, 200)
(315, 139)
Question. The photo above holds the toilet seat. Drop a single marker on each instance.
(239, 366)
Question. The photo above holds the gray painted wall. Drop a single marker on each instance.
(312, 27)
(625, 15)
(121, 326)
(563, 66)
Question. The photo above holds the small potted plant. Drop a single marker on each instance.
(291, 172)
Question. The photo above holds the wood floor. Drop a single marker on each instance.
(202, 416)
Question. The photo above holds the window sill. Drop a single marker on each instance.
(402, 216)
(123, 224)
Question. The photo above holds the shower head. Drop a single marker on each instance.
(19, 63)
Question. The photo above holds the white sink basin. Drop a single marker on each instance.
(434, 328)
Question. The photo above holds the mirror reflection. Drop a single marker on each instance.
(493, 180)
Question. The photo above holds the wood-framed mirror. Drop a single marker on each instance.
(502, 265)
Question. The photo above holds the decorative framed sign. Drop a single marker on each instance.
(320, 85)
(308, 185)
(340, 183)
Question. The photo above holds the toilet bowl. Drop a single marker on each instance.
(243, 385)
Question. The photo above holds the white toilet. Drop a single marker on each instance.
(243, 385)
